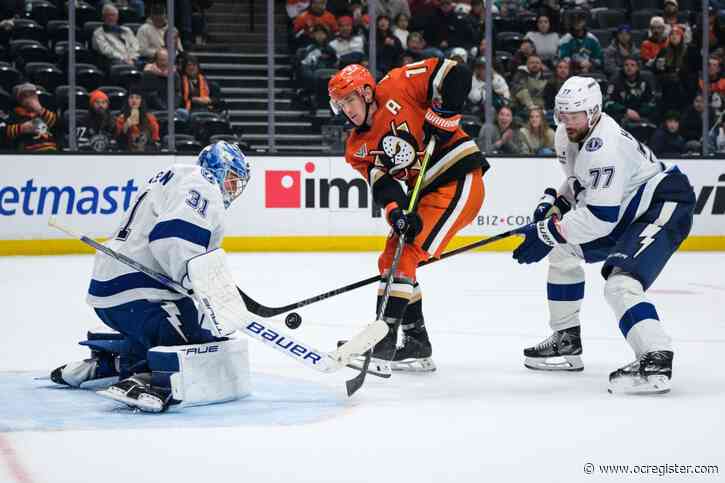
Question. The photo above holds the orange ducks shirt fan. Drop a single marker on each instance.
(393, 121)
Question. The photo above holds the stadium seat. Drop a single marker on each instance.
(61, 97)
(81, 116)
(642, 131)
(322, 95)
(85, 13)
(641, 18)
(124, 75)
(24, 51)
(83, 55)
(7, 103)
(622, 5)
(46, 99)
(89, 76)
(230, 138)
(41, 11)
(648, 4)
(206, 124)
(567, 18)
(127, 15)
(693, 5)
(44, 74)
(9, 76)
(188, 146)
(610, 19)
(639, 36)
(508, 41)
(25, 28)
(503, 62)
(117, 96)
(180, 126)
(88, 29)
(57, 31)
(502, 24)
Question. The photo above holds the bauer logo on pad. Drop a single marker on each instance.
(282, 189)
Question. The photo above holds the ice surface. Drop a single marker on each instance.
(482, 417)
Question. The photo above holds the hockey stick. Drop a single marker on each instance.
(356, 382)
(271, 337)
(265, 311)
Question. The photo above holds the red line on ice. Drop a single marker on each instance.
(12, 461)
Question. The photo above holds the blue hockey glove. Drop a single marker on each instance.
(550, 204)
(541, 237)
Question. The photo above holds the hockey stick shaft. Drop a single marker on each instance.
(264, 311)
(354, 384)
(272, 337)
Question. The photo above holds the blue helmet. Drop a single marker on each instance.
(222, 158)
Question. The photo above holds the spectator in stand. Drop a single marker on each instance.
(620, 48)
(195, 91)
(30, 127)
(422, 13)
(581, 47)
(115, 42)
(477, 94)
(561, 73)
(536, 135)
(669, 68)
(630, 98)
(505, 137)
(656, 41)
(136, 129)
(449, 29)
(100, 130)
(9, 10)
(666, 140)
(671, 9)
(151, 35)
(138, 6)
(521, 56)
(389, 49)
(417, 46)
(717, 82)
(318, 55)
(360, 19)
(400, 29)
(528, 86)
(392, 8)
(349, 48)
(546, 41)
(691, 125)
(296, 7)
(154, 79)
(477, 16)
(479, 50)
(313, 16)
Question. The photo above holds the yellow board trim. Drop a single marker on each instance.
(307, 244)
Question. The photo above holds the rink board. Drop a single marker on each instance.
(291, 204)
(275, 400)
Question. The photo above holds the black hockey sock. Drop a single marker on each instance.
(413, 318)
(401, 292)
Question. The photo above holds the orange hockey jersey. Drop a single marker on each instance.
(396, 135)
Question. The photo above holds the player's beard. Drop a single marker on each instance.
(577, 136)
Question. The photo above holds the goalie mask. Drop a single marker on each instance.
(230, 168)
(579, 94)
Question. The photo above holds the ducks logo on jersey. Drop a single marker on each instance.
(398, 152)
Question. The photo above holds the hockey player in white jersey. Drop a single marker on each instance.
(177, 217)
(629, 210)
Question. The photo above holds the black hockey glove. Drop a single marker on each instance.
(551, 204)
(408, 225)
(440, 124)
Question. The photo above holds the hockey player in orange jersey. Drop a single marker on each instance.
(393, 122)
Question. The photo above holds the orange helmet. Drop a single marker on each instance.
(352, 78)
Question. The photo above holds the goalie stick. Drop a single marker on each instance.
(270, 336)
(265, 311)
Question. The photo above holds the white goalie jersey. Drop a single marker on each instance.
(177, 216)
(610, 178)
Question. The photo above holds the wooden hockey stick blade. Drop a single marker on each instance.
(265, 311)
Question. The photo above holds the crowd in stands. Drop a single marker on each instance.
(122, 67)
(645, 54)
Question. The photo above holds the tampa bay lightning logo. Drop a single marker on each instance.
(593, 144)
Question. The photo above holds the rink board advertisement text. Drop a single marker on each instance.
(291, 203)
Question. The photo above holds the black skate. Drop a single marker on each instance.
(651, 374)
(136, 393)
(560, 352)
(100, 370)
(415, 353)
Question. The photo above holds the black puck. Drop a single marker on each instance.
(293, 320)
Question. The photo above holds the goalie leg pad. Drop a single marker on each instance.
(216, 292)
(200, 374)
